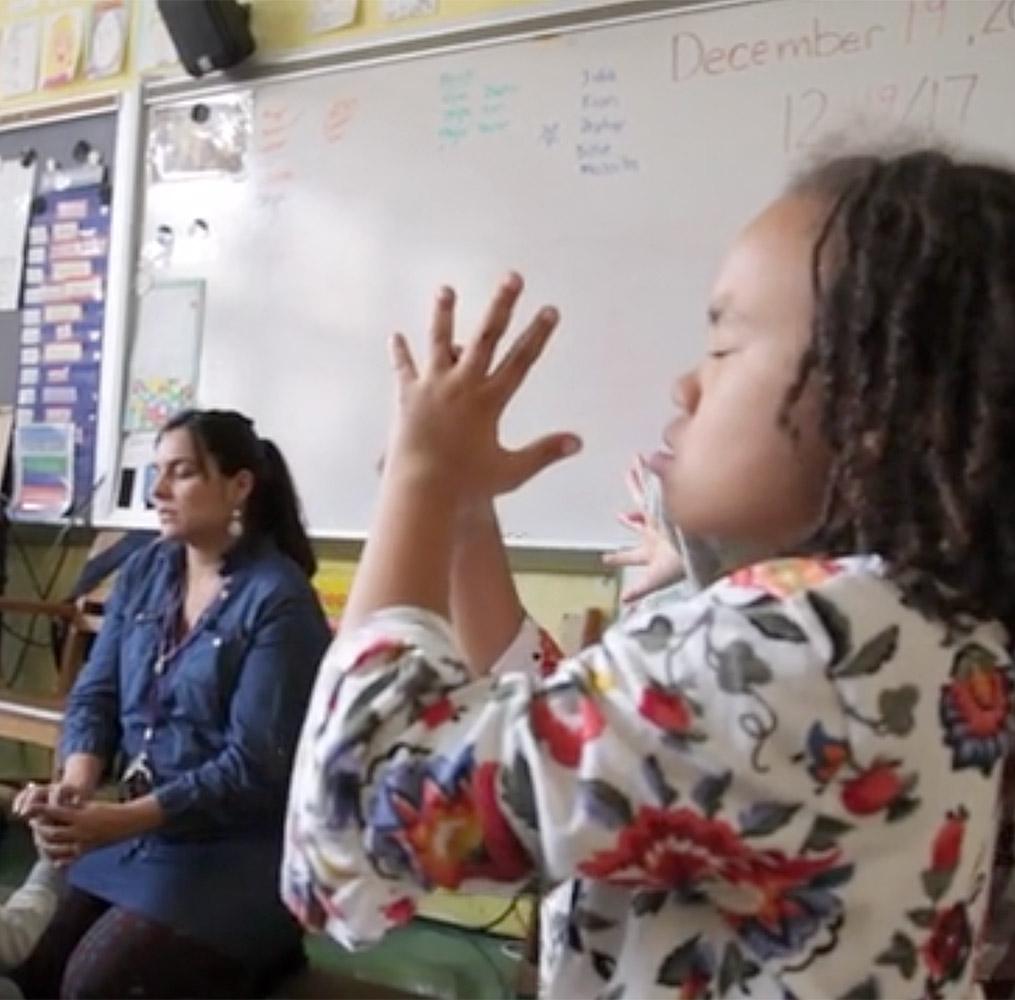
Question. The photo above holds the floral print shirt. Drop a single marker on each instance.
(784, 786)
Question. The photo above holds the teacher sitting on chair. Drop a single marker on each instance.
(198, 684)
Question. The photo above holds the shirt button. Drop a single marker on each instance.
(217, 641)
(148, 734)
(160, 668)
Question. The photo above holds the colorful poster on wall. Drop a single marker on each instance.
(164, 357)
(61, 47)
(62, 317)
(107, 39)
(43, 470)
(19, 58)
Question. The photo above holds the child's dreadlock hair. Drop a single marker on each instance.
(913, 344)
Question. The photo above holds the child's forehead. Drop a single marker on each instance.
(771, 256)
(783, 232)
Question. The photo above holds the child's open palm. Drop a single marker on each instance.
(448, 411)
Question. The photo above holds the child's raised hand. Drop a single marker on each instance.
(446, 423)
(652, 548)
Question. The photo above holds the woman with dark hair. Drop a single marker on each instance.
(198, 682)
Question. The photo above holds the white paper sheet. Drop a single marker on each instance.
(16, 186)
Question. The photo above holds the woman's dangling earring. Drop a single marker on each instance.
(236, 523)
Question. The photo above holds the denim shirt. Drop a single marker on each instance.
(218, 721)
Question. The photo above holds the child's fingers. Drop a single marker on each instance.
(641, 473)
(55, 834)
(31, 796)
(634, 593)
(442, 330)
(634, 519)
(524, 353)
(479, 353)
(635, 556)
(635, 485)
(401, 359)
(31, 811)
(59, 854)
(522, 465)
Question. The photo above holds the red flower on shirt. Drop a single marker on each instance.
(441, 819)
(678, 848)
(668, 849)
(401, 911)
(565, 719)
(877, 787)
(950, 944)
(947, 849)
(666, 708)
(773, 901)
(438, 712)
(977, 709)
(826, 755)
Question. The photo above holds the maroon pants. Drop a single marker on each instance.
(94, 949)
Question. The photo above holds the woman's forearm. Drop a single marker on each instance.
(83, 771)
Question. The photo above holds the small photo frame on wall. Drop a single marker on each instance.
(107, 39)
(19, 58)
(330, 15)
(61, 47)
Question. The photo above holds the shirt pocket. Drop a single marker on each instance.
(202, 680)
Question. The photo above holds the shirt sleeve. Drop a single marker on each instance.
(27, 913)
(532, 651)
(91, 722)
(706, 720)
(248, 779)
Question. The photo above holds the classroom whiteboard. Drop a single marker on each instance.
(609, 165)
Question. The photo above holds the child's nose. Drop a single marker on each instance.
(687, 391)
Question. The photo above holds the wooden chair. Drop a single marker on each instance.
(36, 718)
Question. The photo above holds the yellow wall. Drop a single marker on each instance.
(279, 27)
(26, 10)
(283, 25)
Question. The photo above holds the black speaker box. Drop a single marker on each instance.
(208, 34)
